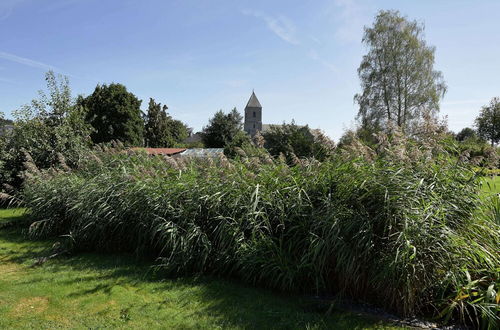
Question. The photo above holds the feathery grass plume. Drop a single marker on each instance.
(295, 160)
(240, 152)
(5, 196)
(254, 164)
(224, 162)
(258, 140)
(8, 188)
(117, 145)
(171, 162)
(464, 156)
(62, 162)
(357, 149)
(181, 163)
(266, 159)
(476, 161)
(321, 138)
(282, 158)
(492, 157)
(95, 158)
(29, 163)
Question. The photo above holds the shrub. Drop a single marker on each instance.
(50, 131)
(293, 141)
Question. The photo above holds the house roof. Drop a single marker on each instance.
(161, 151)
(203, 152)
(253, 102)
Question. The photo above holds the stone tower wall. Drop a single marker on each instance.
(253, 120)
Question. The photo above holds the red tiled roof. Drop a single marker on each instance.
(161, 151)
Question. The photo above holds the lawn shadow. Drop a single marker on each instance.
(233, 303)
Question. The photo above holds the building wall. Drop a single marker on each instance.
(253, 120)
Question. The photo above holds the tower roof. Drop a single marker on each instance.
(253, 102)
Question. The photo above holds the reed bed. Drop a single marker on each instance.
(412, 237)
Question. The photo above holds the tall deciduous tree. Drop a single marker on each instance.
(488, 122)
(115, 114)
(222, 129)
(160, 129)
(398, 80)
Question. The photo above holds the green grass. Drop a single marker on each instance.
(116, 291)
(491, 185)
(8, 215)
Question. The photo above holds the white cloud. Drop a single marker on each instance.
(26, 61)
(351, 18)
(313, 54)
(285, 29)
(280, 26)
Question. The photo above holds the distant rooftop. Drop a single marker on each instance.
(203, 152)
(161, 151)
(253, 102)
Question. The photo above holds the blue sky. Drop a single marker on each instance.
(200, 56)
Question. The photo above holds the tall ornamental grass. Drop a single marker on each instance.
(412, 236)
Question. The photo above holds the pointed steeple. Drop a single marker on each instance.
(253, 102)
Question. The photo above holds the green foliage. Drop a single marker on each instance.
(240, 140)
(397, 229)
(222, 129)
(466, 133)
(49, 131)
(115, 115)
(397, 75)
(161, 131)
(178, 130)
(4, 121)
(297, 141)
(488, 122)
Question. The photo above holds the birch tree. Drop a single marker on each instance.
(398, 79)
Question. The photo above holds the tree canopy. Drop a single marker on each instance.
(466, 133)
(49, 130)
(291, 139)
(398, 80)
(160, 129)
(488, 122)
(222, 129)
(4, 121)
(115, 114)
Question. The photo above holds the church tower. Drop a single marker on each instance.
(253, 116)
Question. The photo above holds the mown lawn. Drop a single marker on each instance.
(491, 185)
(116, 291)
